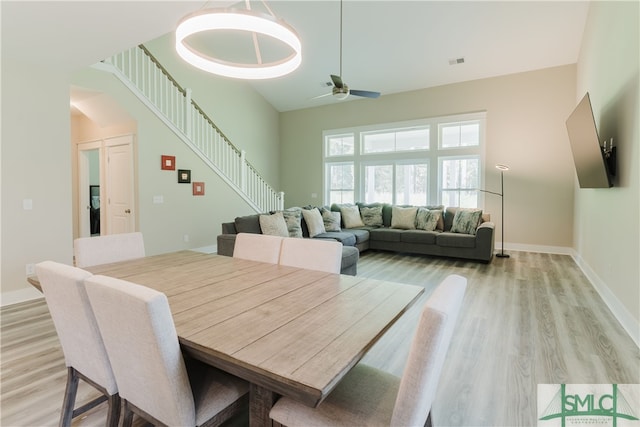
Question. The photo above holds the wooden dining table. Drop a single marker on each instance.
(287, 331)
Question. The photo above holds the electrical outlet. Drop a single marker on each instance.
(185, 238)
(31, 269)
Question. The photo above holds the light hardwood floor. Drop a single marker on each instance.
(529, 319)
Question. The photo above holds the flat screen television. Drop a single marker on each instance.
(589, 156)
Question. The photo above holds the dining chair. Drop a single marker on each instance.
(368, 396)
(154, 379)
(313, 254)
(257, 247)
(84, 351)
(97, 250)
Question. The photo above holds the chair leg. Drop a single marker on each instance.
(114, 410)
(428, 422)
(128, 415)
(69, 400)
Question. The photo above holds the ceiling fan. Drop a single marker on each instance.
(340, 90)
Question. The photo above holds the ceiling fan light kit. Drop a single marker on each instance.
(239, 20)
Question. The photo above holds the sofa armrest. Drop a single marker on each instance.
(229, 228)
(226, 243)
(485, 239)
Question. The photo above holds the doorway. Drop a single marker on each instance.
(105, 187)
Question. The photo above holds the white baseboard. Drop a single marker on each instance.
(21, 295)
(561, 250)
(620, 312)
(206, 249)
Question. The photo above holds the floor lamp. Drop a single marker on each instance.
(502, 169)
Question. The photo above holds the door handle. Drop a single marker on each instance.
(127, 211)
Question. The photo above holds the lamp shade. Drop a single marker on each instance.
(212, 20)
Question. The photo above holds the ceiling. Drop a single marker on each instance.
(388, 46)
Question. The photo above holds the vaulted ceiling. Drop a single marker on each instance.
(388, 46)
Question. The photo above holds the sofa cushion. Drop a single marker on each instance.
(361, 234)
(385, 234)
(293, 218)
(274, 225)
(456, 240)
(331, 219)
(404, 218)
(248, 224)
(314, 221)
(371, 215)
(351, 216)
(419, 236)
(346, 238)
(466, 221)
(427, 219)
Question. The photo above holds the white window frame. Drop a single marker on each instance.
(431, 156)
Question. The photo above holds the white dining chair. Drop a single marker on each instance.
(368, 396)
(154, 381)
(84, 351)
(313, 254)
(257, 247)
(97, 250)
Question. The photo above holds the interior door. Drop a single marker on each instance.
(119, 183)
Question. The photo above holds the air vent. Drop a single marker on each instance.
(456, 61)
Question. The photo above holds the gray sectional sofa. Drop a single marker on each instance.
(475, 242)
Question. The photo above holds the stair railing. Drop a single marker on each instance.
(150, 82)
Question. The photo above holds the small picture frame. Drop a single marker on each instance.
(184, 176)
(198, 188)
(168, 163)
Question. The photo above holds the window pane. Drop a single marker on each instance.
(378, 142)
(411, 184)
(459, 181)
(401, 140)
(341, 197)
(342, 145)
(460, 135)
(413, 139)
(378, 184)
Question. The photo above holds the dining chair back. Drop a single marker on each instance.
(258, 247)
(153, 379)
(428, 352)
(84, 351)
(369, 396)
(313, 254)
(97, 250)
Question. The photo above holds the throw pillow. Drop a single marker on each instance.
(314, 221)
(371, 216)
(404, 218)
(331, 220)
(427, 219)
(351, 216)
(293, 218)
(274, 225)
(466, 221)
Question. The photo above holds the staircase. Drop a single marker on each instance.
(153, 85)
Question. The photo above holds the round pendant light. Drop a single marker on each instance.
(238, 20)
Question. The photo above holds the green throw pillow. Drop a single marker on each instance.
(466, 221)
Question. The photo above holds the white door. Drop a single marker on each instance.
(120, 215)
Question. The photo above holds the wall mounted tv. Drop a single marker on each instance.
(595, 163)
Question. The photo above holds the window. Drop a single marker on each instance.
(406, 163)
(341, 182)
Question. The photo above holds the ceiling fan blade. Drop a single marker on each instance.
(337, 81)
(365, 93)
(323, 95)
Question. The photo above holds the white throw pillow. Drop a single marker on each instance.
(314, 221)
(351, 216)
(274, 225)
(404, 218)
